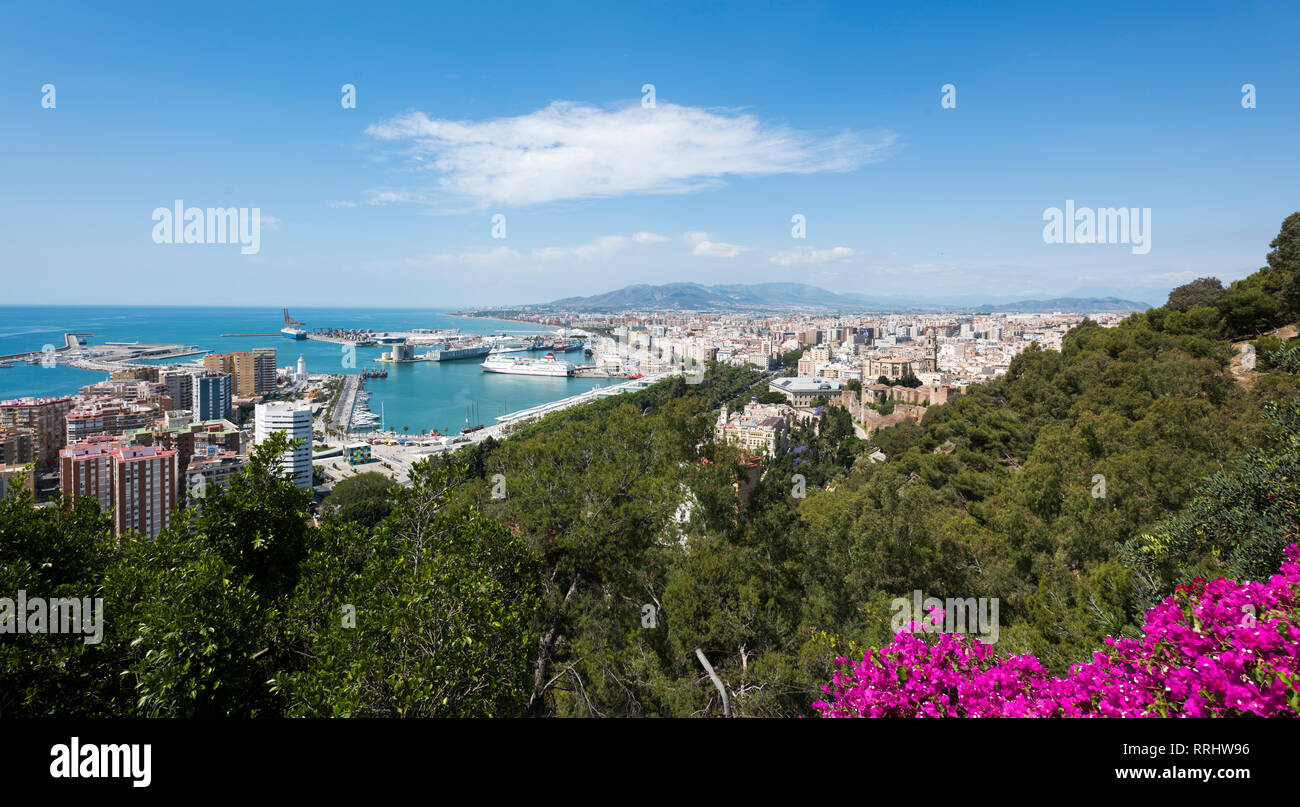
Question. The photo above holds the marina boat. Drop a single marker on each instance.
(547, 366)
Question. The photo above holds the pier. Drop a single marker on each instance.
(525, 415)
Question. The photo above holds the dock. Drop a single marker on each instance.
(532, 413)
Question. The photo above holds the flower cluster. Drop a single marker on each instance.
(1212, 648)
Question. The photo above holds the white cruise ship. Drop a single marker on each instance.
(549, 366)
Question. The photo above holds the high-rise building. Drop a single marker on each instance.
(211, 396)
(16, 445)
(144, 489)
(180, 388)
(295, 420)
(264, 370)
(252, 373)
(45, 417)
(86, 470)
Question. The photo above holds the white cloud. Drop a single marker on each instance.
(717, 249)
(606, 246)
(477, 256)
(343, 204)
(695, 237)
(388, 197)
(575, 151)
(270, 223)
(789, 257)
(649, 238)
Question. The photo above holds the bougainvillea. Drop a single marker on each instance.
(1211, 649)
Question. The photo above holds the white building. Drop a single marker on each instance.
(294, 419)
(302, 368)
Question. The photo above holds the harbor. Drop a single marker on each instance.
(424, 399)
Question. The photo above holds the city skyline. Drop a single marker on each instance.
(905, 188)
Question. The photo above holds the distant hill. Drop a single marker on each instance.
(1073, 305)
(803, 297)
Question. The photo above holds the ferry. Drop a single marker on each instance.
(294, 333)
(547, 366)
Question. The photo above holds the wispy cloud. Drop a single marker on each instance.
(576, 151)
(717, 249)
(703, 247)
(387, 196)
(649, 238)
(343, 204)
(789, 257)
(606, 246)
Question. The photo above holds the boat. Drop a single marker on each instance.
(510, 346)
(469, 429)
(547, 366)
(292, 327)
(448, 353)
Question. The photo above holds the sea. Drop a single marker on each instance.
(421, 396)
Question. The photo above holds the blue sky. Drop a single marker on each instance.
(762, 111)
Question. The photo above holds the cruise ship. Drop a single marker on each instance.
(548, 366)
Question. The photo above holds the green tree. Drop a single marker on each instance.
(365, 498)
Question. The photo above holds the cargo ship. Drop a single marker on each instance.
(292, 327)
(562, 345)
(548, 366)
(510, 346)
(447, 353)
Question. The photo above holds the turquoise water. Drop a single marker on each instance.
(425, 395)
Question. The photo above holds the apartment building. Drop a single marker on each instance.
(252, 373)
(295, 420)
(180, 388)
(211, 396)
(212, 468)
(16, 446)
(144, 489)
(108, 416)
(9, 475)
(189, 439)
(86, 470)
(45, 417)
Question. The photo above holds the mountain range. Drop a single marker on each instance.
(805, 297)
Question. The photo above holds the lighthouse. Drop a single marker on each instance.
(302, 367)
